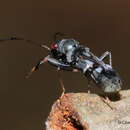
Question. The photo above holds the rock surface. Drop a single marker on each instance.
(83, 111)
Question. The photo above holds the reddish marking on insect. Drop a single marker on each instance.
(54, 46)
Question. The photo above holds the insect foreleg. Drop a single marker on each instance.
(36, 67)
(59, 64)
(104, 55)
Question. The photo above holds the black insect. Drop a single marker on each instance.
(68, 54)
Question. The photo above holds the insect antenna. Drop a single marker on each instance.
(31, 42)
(59, 36)
(36, 67)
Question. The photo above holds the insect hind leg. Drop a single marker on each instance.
(104, 55)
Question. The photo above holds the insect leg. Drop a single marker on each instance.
(75, 70)
(107, 102)
(36, 67)
(107, 53)
(59, 64)
(61, 82)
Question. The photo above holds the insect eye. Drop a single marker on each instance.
(54, 46)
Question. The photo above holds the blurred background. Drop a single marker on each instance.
(101, 25)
